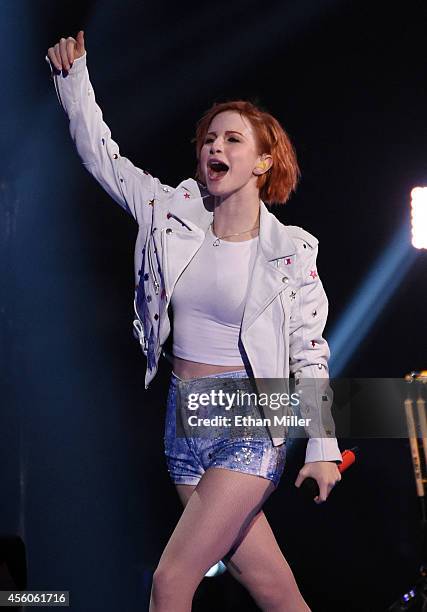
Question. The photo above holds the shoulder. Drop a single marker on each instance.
(306, 247)
(300, 236)
(189, 186)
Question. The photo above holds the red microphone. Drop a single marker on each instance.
(309, 485)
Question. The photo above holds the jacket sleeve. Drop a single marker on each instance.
(134, 189)
(309, 352)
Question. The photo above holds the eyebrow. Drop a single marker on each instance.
(227, 132)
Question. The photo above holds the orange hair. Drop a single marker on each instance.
(275, 185)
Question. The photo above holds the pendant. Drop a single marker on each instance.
(216, 242)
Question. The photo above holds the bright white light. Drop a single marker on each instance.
(419, 217)
(216, 570)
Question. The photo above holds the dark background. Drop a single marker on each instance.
(82, 467)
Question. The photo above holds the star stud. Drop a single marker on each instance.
(313, 274)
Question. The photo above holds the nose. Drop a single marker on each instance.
(215, 146)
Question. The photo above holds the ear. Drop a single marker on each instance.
(263, 165)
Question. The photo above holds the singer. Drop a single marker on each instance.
(247, 301)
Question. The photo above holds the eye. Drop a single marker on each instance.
(233, 138)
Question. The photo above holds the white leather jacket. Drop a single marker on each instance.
(286, 308)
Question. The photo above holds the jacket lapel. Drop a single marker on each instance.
(266, 280)
(179, 247)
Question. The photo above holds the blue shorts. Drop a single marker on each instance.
(188, 458)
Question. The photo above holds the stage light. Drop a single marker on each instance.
(419, 217)
(379, 285)
(216, 570)
(370, 298)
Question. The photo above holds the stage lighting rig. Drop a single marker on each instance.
(415, 599)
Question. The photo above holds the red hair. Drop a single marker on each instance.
(275, 185)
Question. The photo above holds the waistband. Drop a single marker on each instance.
(230, 374)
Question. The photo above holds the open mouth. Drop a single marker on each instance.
(217, 170)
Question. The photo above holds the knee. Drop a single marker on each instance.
(172, 583)
(164, 583)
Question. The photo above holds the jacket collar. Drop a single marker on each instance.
(274, 239)
(274, 243)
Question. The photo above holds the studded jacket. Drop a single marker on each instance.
(286, 307)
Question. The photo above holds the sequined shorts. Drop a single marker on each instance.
(188, 458)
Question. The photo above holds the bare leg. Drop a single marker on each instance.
(257, 562)
(219, 513)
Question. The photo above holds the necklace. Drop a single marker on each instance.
(217, 240)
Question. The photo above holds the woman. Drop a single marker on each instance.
(257, 309)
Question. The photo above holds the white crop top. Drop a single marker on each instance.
(208, 302)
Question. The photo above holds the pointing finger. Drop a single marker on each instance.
(80, 39)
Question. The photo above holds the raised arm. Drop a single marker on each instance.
(128, 185)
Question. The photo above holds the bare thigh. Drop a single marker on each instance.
(255, 546)
(217, 514)
(256, 561)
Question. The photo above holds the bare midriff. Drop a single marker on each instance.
(192, 369)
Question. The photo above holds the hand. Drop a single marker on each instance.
(63, 54)
(325, 473)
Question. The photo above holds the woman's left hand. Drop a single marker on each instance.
(325, 473)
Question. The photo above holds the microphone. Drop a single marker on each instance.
(309, 485)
